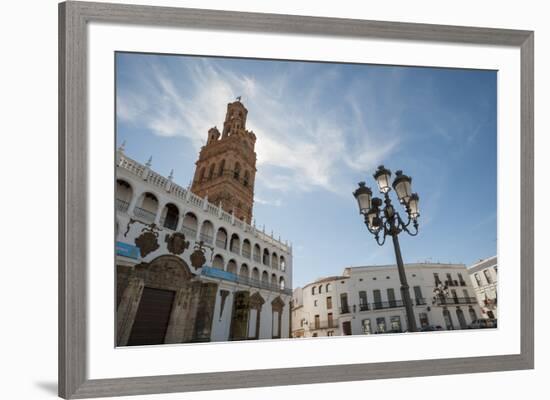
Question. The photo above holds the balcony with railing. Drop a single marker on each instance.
(189, 232)
(144, 214)
(121, 205)
(383, 305)
(206, 238)
(364, 307)
(170, 223)
(344, 310)
(420, 301)
(171, 189)
(244, 280)
(316, 325)
(455, 300)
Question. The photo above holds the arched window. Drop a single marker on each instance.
(246, 248)
(274, 261)
(282, 283)
(320, 289)
(256, 274)
(221, 168)
(237, 171)
(313, 290)
(235, 244)
(265, 260)
(218, 262)
(190, 226)
(328, 287)
(147, 209)
(221, 238)
(207, 232)
(244, 271)
(282, 262)
(257, 253)
(274, 280)
(473, 315)
(246, 178)
(232, 267)
(124, 194)
(170, 217)
(211, 172)
(265, 277)
(201, 174)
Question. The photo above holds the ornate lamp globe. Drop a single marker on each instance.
(413, 206)
(402, 186)
(382, 176)
(363, 195)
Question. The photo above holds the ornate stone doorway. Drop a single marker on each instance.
(239, 317)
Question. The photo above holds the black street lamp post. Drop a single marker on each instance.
(386, 221)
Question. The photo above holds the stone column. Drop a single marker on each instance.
(127, 309)
(180, 316)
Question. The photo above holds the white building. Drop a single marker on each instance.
(239, 290)
(484, 276)
(367, 300)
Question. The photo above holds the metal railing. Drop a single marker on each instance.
(169, 224)
(382, 305)
(190, 233)
(245, 280)
(182, 194)
(455, 300)
(364, 307)
(420, 301)
(206, 238)
(316, 325)
(121, 205)
(144, 214)
(344, 310)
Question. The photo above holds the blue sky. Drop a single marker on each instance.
(321, 128)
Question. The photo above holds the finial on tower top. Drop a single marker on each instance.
(149, 161)
(239, 98)
(122, 147)
(171, 176)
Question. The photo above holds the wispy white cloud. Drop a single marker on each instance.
(271, 202)
(300, 146)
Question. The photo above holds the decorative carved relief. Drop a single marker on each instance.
(257, 301)
(167, 272)
(197, 257)
(176, 243)
(278, 304)
(147, 242)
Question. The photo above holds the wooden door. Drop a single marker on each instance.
(152, 317)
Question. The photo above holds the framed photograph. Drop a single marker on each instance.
(279, 200)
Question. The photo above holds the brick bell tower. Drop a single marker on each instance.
(226, 168)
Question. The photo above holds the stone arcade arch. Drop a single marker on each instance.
(124, 194)
(170, 216)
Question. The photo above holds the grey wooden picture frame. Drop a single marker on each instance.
(73, 200)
